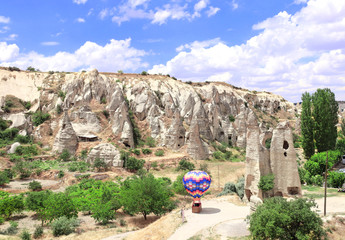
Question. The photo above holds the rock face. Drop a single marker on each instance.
(108, 153)
(66, 137)
(174, 113)
(197, 148)
(279, 160)
(283, 162)
(175, 137)
(13, 147)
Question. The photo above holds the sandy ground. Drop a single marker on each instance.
(218, 212)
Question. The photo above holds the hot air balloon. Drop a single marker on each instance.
(196, 184)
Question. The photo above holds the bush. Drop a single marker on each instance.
(336, 179)
(59, 109)
(134, 164)
(229, 188)
(159, 153)
(103, 100)
(99, 164)
(64, 226)
(317, 180)
(184, 164)
(3, 178)
(39, 117)
(217, 155)
(266, 182)
(65, 155)
(231, 118)
(136, 152)
(35, 186)
(27, 150)
(23, 139)
(25, 235)
(61, 174)
(106, 114)
(38, 232)
(10, 205)
(146, 151)
(12, 229)
(278, 218)
(150, 141)
(144, 73)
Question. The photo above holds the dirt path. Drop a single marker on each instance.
(227, 216)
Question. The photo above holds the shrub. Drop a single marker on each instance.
(217, 155)
(83, 154)
(336, 179)
(65, 155)
(178, 185)
(278, 218)
(136, 152)
(154, 165)
(25, 235)
(23, 139)
(38, 232)
(231, 118)
(27, 150)
(266, 182)
(64, 226)
(35, 186)
(2, 220)
(12, 229)
(146, 151)
(62, 95)
(61, 174)
(3, 178)
(39, 117)
(99, 164)
(123, 223)
(229, 188)
(103, 100)
(150, 141)
(159, 153)
(144, 73)
(184, 164)
(134, 164)
(59, 109)
(317, 180)
(106, 114)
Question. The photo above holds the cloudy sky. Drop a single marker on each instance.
(286, 47)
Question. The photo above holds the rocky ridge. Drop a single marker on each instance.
(178, 115)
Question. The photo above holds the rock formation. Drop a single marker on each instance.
(108, 153)
(208, 111)
(279, 160)
(66, 138)
(175, 137)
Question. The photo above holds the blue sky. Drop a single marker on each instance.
(286, 47)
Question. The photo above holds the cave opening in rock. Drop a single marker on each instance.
(285, 145)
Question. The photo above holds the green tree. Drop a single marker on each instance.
(178, 186)
(10, 205)
(325, 113)
(336, 179)
(58, 205)
(35, 186)
(99, 164)
(3, 178)
(146, 195)
(278, 218)
(307, 126)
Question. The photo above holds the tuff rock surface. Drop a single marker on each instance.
(107, 152)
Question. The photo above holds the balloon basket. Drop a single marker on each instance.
(196, 207)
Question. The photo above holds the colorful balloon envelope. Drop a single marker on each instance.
(196, 183)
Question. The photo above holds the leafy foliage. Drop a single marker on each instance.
(150, 141)
(136, 131)
(316, 165)
(336, 179)
(38, 232)
(266, 182)
(3, 178)
(146, 195)
(64, 226)
(178, 185)
(159, 153)
(184, 164)
(10, 205)
(307, 126)
(278, 218)
(134, 164)
(325, 113)
(146, 151)
(35, 186)
(231, 187)
(58, 205)
(39, 117)
(65, 155)
(99, 164)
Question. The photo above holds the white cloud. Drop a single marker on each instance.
(234, 5)
(50, 43)
(80, 1)
(4, 19)
(290, 54)
(11, 37)
(80, 20)
(4, 29)
(104, 13)
(212, 11)
(8, 52)
(117, 54)
(171, 10)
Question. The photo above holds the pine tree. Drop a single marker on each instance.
(325, 114)
(307, 126)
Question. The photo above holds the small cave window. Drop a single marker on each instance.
(285, 154)
(286, 145)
